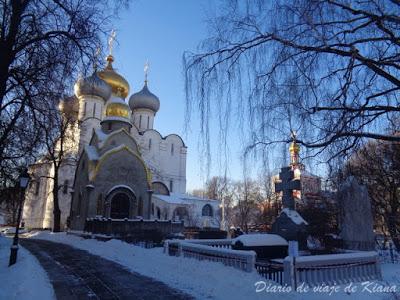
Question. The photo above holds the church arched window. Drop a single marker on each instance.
(37, 186)
(140, 121)
(94, 110)
(79, 204)
(65, 186)
(99, 205)
(207, 211)
(84, 109)
(148, 122)
(172, 149)
(158, 211)
(149, 144)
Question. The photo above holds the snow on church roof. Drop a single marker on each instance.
(91, 152)
(175, 198)
(294, 216)
(100, 134)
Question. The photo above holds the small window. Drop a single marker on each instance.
(94, 110)
(171, 185)
(99, 205)
(65, 187)
(172, 149)
(207, 211)
(79, 204)
(140, 121)
(158, 210)
(148, 122)
(149, 144)
(84, 109)
(37, 186)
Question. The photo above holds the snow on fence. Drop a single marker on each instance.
(312, 270)
(223, 243)
(270, 271)
(243, 260)
(331, 269)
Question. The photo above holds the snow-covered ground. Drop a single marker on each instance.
(26, 279)
(209, 280)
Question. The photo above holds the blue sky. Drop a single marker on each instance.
(160, 31)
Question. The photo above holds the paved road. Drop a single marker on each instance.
(77, 274)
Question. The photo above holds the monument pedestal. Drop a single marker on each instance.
(292, 227)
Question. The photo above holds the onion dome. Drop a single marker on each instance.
(119, 85)
(144, 99)
(93, 86)
(69, 106)
(116, 107)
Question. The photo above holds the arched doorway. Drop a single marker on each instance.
(120, 205)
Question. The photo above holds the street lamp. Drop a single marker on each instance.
(23, 183)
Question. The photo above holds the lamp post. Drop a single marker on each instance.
(23, 183)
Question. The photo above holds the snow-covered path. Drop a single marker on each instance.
(77, 274)
(209, 280)
(26, 279)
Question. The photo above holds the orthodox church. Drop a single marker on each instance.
(117, 165)
(311, 192)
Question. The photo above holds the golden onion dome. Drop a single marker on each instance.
(119, 85)
(116, 107)
(294, 148)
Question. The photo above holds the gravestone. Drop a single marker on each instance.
(355, 216)
(289, 224)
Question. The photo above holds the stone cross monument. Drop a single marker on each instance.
(289, 224)
(287, 185)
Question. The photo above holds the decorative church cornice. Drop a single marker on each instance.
(93, 174)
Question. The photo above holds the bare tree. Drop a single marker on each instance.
(247, 199)
(328, 69)
(10, 200)
(43, 44)
(59, 133)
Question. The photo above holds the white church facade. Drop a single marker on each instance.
(117, 165)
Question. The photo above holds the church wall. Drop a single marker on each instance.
(166, 158)
(109, 127)
(121, 168)
(36, 196)
(66, 180)
(78, 206)
(194, 209)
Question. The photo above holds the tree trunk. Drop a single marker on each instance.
(56, 206)
(393, 230)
